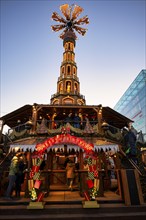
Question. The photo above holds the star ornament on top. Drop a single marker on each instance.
(70, 21)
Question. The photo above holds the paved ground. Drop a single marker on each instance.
(62, 205)
(66, 196)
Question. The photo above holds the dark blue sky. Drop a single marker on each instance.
(109, 56)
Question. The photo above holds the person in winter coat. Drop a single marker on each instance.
(68, 119)
(70, 174)
(19, 176)
(130, 143)
(76, 121)
(88, 127)
(12, 177)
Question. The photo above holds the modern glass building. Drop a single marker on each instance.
(133, 103)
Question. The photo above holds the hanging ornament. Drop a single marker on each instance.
(35, 168)
(31, 174)
(37, 176)
(87, 196)
(30, 184)
(93, 193)
(41, 196)
(90, 184)
(37, 184)
(33, 194)
(39, 161)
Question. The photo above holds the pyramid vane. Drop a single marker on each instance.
(69, 23)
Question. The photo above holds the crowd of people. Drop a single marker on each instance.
(76, 120)
(18, 162)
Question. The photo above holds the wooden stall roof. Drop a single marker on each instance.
(22, 114)
(36, 140)
(114, 118)
(25, 112)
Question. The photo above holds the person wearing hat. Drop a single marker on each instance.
(12, 177)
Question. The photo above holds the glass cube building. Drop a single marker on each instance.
(133, 103)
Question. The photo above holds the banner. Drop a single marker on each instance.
(64, 138)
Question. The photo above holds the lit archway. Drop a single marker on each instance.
(34, 181)
(64, 139)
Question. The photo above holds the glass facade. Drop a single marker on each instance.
(133, 103)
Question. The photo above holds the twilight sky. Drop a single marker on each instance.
(108, 57)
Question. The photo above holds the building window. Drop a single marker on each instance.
(68, 56)
(71, 46)
(74, 70)
(68, 86)
(66, 47)
(75, 88)
(63, 69)
(64, 57)
(68, 70)
(68, 101)
(61, 87)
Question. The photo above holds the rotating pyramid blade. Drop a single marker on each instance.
(65, 9)
(58, 18)
(83, 20)
(80, 30)
(76, 12)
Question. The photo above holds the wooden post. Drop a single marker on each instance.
(101, 189)
(1, 129)
(141, 199)
(27, 173)
(34, 119)
(48, 174)
(101, 174)
(81, 178)
(119, 190)
(81, 159)
(99, 117)
(131, 187)
(117, 161)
